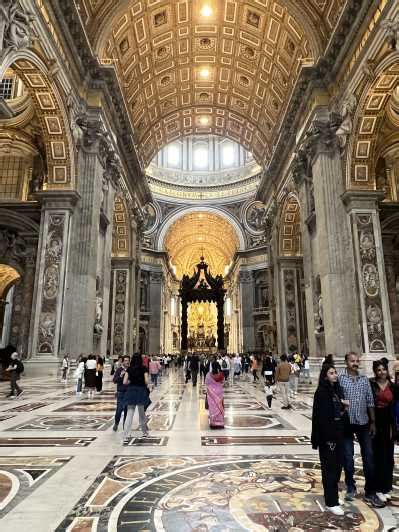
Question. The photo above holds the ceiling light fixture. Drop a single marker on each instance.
(204, 73)
(204, 120)
(206, 11)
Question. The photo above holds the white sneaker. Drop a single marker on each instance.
(336, 510)
(381, 496)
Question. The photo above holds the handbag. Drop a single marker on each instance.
(206, 402)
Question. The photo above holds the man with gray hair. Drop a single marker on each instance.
(15, 368)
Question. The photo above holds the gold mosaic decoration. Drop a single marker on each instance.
(229, 73)
(200, 233)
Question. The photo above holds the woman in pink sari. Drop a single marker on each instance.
(215, 393)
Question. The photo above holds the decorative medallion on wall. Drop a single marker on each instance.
(370, 283)
(255, 217)
(151, 217)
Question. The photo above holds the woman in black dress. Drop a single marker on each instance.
(328, 433)
(136, 379)
(385, 393)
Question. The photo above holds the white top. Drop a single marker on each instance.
(64, 363)
(269, 390)
(306, 364)
(227, 360)
(80, 370)
(91, 364)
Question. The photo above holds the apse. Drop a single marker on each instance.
(199, 234)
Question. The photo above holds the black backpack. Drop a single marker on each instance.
(20, 367)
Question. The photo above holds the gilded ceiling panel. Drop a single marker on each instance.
(223, 67)
(201, 233)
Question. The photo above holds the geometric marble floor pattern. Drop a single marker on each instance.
(62, 468)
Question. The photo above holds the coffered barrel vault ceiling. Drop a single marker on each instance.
(227, 70)
(200, 233)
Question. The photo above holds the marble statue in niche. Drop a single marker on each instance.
(98, 322)
(150, 216)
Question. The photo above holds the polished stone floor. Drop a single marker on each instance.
(63, 468)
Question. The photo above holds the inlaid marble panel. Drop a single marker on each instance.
(207, 441)
(160, 421)
(66, 423)
(235, 493)
(5, 417)
(150, 441)
(19, 476)
(27, 407)
(249, 421)
(46, 442)
(89, 406)
(165, 406)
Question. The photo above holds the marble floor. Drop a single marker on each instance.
(62, 468)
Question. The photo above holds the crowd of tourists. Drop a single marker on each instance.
(346, 405)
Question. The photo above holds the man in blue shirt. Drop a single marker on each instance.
(357, 391)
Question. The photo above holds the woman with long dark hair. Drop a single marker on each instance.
(328, 433)
(136, 394)
(385, 393)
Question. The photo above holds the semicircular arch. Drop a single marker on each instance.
(51, 112)
(168, 222)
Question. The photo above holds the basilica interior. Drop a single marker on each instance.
(189, 176)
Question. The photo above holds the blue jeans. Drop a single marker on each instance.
(120, 408)
(366, 449)
(154, 378)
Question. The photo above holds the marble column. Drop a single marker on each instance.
(333, 257)
(52, 266)
(247, 302)
(372, 285)
(87, 303)
(290, 293)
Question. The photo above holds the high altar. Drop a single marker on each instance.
(202, 323)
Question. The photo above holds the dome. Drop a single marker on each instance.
(202, 163)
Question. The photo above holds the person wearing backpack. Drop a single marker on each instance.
(16, 368)
(226, 367)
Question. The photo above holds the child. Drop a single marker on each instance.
(269, 391)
